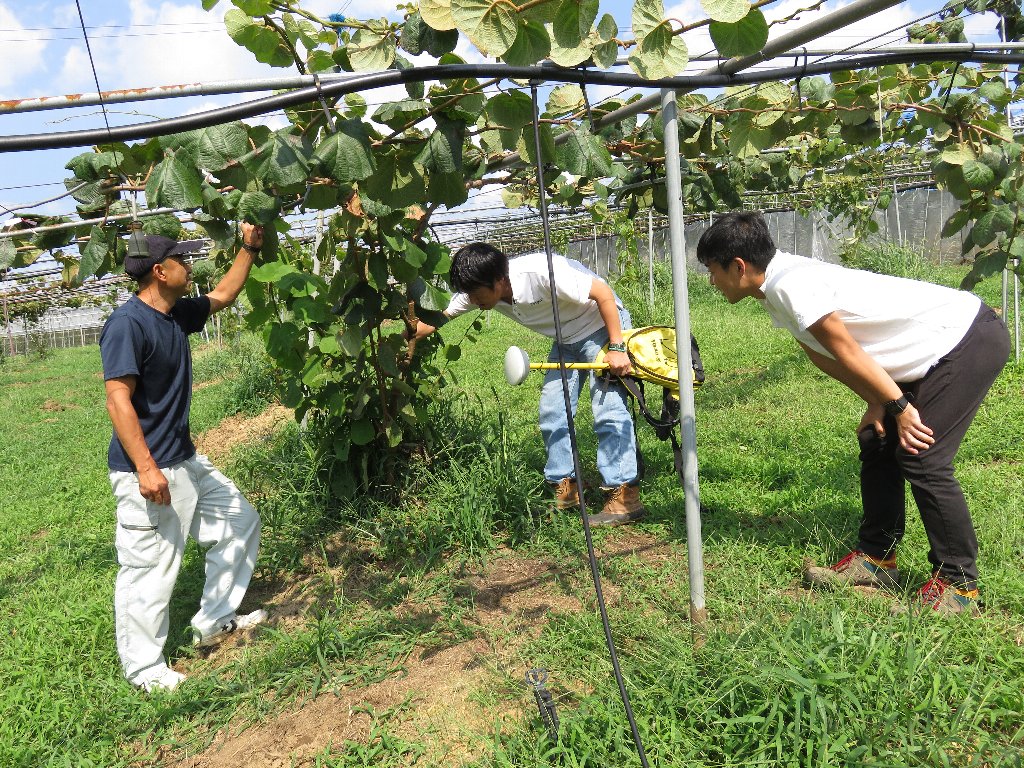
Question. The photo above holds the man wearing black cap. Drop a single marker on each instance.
(165, 492)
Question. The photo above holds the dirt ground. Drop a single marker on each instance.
(217, 443)
(439, 690)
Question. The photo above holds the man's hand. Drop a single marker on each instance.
(252, 234)
(873, 417)
(618, 363)
(914, 435)
(153, 486)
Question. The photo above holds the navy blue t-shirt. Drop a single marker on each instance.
(138, 340)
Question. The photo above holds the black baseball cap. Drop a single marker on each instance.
(159, 248)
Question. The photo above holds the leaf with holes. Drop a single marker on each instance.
(573, 21)
(174, 183)
(489, 24)
(740, 38)
(345, 155)
(532, 44)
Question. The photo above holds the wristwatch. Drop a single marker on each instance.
(620, 347)
(897, 406)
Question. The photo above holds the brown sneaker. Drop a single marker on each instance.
(567, 493)
(856, 569)
(944, 598)
(622, 505)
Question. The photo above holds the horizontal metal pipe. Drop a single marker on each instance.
(549, 73)
(226, 87)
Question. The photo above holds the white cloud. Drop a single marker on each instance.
(21, 51)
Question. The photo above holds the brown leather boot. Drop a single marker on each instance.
(622, 505)
(567, 493)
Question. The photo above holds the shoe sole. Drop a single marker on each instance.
(613, 520)
(826, 577)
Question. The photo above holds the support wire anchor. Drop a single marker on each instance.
(536, 678)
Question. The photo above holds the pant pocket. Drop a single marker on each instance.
(138, 539)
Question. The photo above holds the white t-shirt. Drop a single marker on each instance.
(905, 325)
(531, 297)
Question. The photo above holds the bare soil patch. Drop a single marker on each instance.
(441, 691)
(217, 443)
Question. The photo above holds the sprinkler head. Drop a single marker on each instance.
(517, 366)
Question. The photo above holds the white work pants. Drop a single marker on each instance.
(150, 542)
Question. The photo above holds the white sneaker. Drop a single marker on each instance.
(166, 680)
(226, 628)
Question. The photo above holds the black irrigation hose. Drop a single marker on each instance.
(595, 572)
(544, 72)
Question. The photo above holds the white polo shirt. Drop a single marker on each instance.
(531, 297)
(906, 326)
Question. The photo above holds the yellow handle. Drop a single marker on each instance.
(572, 366)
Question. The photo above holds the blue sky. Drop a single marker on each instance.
(139, 43)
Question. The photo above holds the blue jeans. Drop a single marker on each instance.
(613, 424)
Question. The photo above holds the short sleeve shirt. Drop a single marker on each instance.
(532, 297)
(140, 341)
(906, 326)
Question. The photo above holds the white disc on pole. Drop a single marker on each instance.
(517, 365)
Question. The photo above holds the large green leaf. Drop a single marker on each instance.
(93, 253)
(647, 14)
(573, 21)
(219, 145)
(371, 50)
(660, 54)
(283, 161)
(174, 183)
(728, 11)
(272, 271)
(607, 50)
(8, 252)
(985, 265)
(978, 175)
(741, 38)
(990, 224)
(570, 57)
(345, 155)
(397, 114)
(443, 150)
(396, 184)
(564, 100)
(512, 111)
(165, 224)
(418, 37)
(262, 41)
(448, 189)
(489, 24)
(438, 14)
(257, 208)
(532, 44)
(585, 155)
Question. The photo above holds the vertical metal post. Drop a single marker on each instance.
(896, 202)
(687, 421)
(650, 259)
(6, 322)
(1006, 286)
(1016, 311)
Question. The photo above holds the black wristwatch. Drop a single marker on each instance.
(897, 406)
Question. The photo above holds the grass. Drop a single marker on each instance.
(777, 677)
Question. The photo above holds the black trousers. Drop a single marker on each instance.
(947, 398)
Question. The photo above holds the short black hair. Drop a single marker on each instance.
(742, 234)
(477, 265)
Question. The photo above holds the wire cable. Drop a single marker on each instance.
(595, 571)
